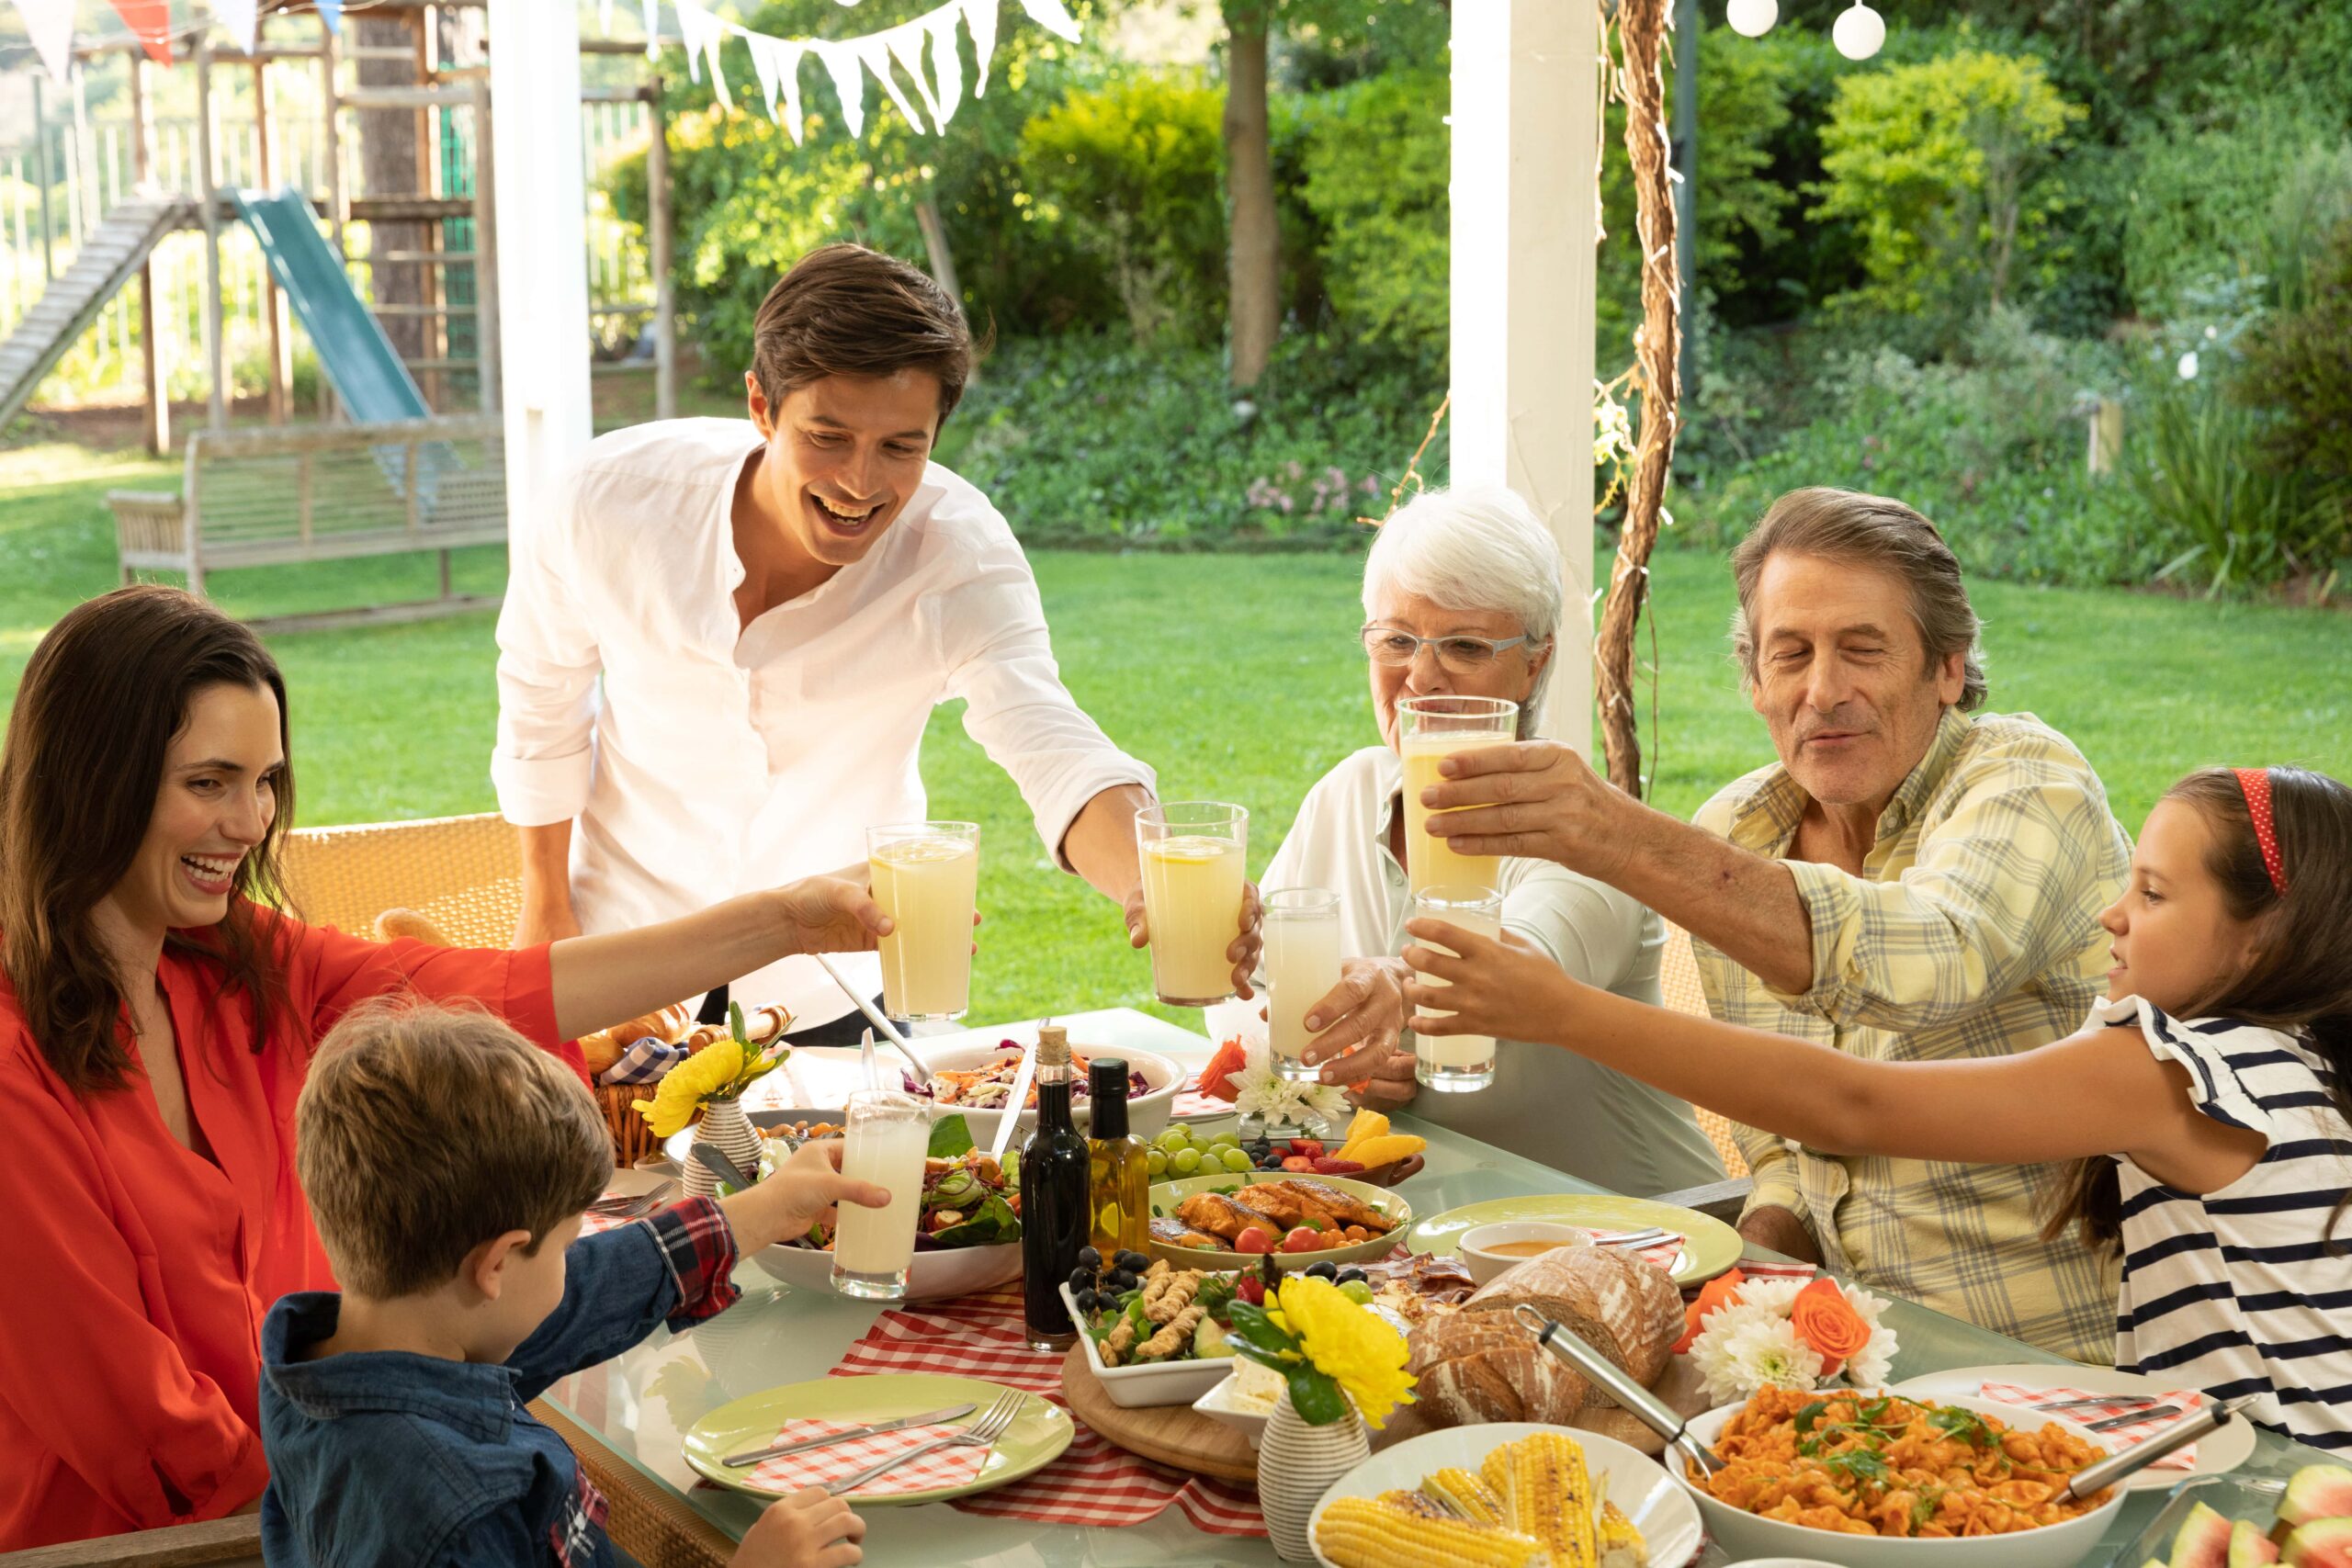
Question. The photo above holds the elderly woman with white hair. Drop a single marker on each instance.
(1462, 597)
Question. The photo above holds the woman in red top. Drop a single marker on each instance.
(156, 1023)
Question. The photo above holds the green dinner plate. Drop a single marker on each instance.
(1167, 1195)
(1036, 1438)
(1708, 1247)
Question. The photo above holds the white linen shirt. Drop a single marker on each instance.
(719, 758)
(1546, 1105)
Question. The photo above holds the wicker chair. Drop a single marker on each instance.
(464, 873)
(1678, 982)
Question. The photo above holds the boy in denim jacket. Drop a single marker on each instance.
(447, 1163)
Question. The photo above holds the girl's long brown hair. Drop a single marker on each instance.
(104, 694)
(2301, 980)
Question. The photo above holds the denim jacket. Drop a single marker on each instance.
(392, 1459)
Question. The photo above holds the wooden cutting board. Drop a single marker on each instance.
(1173, 1434)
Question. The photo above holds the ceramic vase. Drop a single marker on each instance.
(1296, 1465)
(725, 1124)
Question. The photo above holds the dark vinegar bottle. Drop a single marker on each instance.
(1057, 1205)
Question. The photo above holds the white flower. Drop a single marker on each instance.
(1259, 1090)
(1869, 1369)
(1754, 1350)
(2188, 366)
(1777, 1296)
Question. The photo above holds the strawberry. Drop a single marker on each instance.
(1299, 1163)
(1311, 1147)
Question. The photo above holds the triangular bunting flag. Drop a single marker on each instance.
(701, 34)
(50, 24)
(875, 49)
(777, 60)
(151, 22)
(241, 18)
(331, 13)
(849, 83)
(651, 11)
(907, 46)
(980, 16)
(946, 60)
(1050, 16)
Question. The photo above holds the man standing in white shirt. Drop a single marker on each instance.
(774, 607)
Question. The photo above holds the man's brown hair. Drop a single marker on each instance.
(846, 311)
(1855, 529)
(425, 1130)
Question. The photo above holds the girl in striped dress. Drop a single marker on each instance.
(2205, 1097)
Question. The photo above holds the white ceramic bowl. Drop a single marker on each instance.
(1147, 1112)
(1746, 1537)
(1227, 1405)
(1484, 1264)
(953, 1272)
(1637, 1483)
(1156, 1383)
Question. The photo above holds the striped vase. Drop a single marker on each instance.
(1296, 1465)
(723, 1123)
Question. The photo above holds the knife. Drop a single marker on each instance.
(777, 1450)
(1015, 1103)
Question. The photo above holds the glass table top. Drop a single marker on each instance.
(641, 1404)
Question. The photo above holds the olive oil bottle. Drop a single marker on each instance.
(1120, 1162)
(1055, 1193)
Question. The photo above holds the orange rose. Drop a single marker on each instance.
(1719, 1291)
(1826, 1320)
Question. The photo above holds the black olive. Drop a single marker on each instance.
(1325, 1270)
(1120, 1281)
(1088, 1301)
(1348, 1274)
(1089, 1259)
(1132, 1262)
(1081, 1278)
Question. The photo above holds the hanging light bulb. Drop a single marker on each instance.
(1858, 32)
(1752, 19)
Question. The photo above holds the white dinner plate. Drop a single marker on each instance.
(1659, 1508)
(2222, 1450)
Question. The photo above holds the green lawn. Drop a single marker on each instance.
(1238, 677)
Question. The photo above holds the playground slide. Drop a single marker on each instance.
(357, 358)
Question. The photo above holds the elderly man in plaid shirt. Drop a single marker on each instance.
(1912, 880)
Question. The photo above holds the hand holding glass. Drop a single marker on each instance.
(1456, 1064)
(927, 879)
(1302, 967)
(1431, 729)
(887, 1134)
(1193, 856)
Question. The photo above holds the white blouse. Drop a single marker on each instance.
(1546, 1105)
(699, 757)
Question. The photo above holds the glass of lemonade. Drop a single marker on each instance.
(927, 879)
(1432, 728)
(1302, 965)
(1456, 1064)
(889, 1133)
(1192, 857)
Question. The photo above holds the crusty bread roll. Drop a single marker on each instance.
(396, 923)
(760, 1026)
(603, 1048)
(1624, 1305)
(1474, 1368)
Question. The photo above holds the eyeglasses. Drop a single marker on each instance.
(1462, 655)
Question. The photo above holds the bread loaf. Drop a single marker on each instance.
(1483, 1367)
(1623, 1305)
(393, 924)
(602, 1049)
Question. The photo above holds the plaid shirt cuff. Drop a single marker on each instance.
(1832, 906)
(698, 1244)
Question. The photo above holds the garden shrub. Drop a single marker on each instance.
(1376, 158)
(2299, 363)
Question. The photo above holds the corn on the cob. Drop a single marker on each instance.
(1420, 1505)
(1465, 1494)
(1550, 1497)
(1358, 1532)
(1620, 1544)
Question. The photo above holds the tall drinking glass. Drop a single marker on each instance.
(889, 1133)
(1432, 730)
(1193, 856)
(927, 879)
(1456, 1064)
(1302, 965)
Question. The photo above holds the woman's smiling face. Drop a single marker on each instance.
(213, 806)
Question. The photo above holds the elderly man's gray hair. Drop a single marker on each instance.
(1477, 547)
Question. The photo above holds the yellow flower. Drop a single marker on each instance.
(683, 1088)
(1348, 1344)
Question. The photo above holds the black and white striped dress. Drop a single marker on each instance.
(2235, 1291)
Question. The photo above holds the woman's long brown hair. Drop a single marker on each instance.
(104, 694)
(2301, 980)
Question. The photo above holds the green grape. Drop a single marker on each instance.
(1173, 1139)
(1155, 1163)
(1184, 1162)
(1228, 1140)
(1236, 1160)
(1357, 1292)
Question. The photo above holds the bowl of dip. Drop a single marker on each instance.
(1487, 1250)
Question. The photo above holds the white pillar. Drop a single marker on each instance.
(540, 203)
(1525, 123)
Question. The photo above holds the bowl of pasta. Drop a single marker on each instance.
(1872, 1480)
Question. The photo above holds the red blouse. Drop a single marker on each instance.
(137, 1272)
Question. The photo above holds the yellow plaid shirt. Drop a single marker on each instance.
(1973, 931)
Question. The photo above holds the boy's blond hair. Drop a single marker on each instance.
(425, 1130)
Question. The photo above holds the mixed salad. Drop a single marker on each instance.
(988, 1085)
(1141, 1312)
(969, 1198)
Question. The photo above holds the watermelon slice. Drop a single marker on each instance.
(2317, 1492)
(2249, 1548)
(1216, 1078)
(2203, 1541)
(2322, 1544)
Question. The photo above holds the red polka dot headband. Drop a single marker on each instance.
(2255, 784)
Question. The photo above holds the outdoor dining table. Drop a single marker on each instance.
(633, 1411)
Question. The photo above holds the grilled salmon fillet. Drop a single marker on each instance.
(1217, 1215)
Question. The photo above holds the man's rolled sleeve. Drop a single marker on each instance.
(535, 791)
(1774, 1170)
(1833, 903)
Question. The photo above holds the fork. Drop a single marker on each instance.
(634, 1208)
(982, 1433)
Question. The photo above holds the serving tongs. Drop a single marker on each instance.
(1619, 1385)
(2205, 1420)
(874, 1016)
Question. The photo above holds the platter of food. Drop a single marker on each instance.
(1230, 1219)
(1473, 1493)
(1872, 1480)
(2238, 1520)
(1708, 1247)
(1153, 1335)
(2210, 1455)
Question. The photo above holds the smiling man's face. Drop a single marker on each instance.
(1842, 677)
(845, 455)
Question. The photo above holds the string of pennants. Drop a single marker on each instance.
(49, 25)
(777, 61)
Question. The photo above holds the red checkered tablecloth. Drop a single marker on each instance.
(1095, 1483)
(2048, 1400)
(821, 1466)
